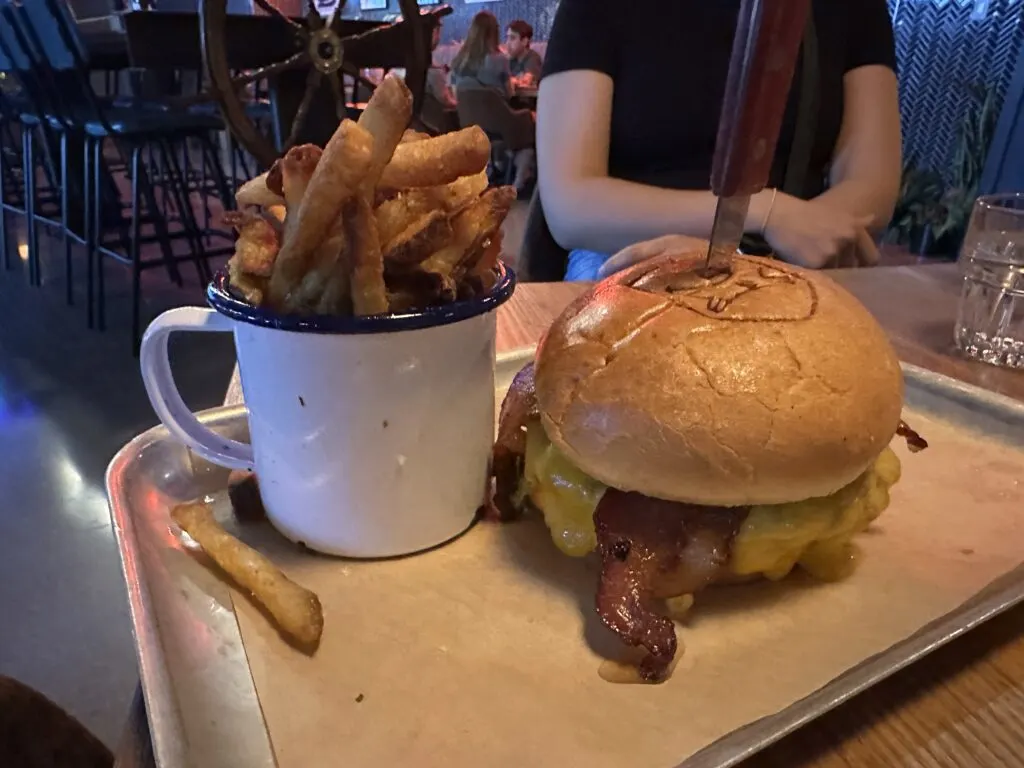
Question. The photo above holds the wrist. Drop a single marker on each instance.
(761, 206)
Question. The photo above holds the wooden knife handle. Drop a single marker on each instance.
(764, 53)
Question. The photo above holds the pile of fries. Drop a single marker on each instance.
(382, 220)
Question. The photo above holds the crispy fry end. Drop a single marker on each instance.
(294, 609)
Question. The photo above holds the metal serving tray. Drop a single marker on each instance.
(199, 693)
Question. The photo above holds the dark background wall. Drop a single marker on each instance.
(539, 13)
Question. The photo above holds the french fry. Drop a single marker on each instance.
(403, 208)
(487, 264)
(484, 275)
(257, 245)
(297, 168)
(397, 214)
(249, 287)
(256, 192)
(336, 298)
(277, 213)
(295, 610)
(417, 288)
(369, 295)
(326, 263)
(420, 239)
(337, 178)
(385, 216)
(385, 118)
(463, 191)
(413, 135)
(439, 160)
(386, 115)
(470, 227)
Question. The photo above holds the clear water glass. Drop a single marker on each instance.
(990, 320)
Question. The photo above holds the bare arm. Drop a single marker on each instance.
(865, 176)
(584, 207)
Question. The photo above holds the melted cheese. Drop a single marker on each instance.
(566, 495)
(816, 534)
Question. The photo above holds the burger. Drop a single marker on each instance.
(693, 429)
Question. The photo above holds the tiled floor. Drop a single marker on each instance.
(69, 398)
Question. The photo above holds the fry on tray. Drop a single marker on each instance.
(336, 180)
(295, 609)
(256, 192)
(439, 160)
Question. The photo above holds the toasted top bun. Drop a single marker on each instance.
(767, 385)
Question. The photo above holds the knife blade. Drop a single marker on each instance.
(764, 54)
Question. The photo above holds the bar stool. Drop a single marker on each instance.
(136, 132)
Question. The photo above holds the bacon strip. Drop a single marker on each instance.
(915, 442)
(652, 549)
(519, 406)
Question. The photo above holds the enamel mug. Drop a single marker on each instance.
(370, 436)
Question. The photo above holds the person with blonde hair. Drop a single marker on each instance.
(480, 62)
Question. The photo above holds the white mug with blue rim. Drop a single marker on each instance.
(370, 436)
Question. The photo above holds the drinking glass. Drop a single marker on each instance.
(990, 320)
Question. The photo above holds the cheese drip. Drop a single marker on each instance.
(816, 534)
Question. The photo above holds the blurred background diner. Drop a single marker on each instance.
(124, 132)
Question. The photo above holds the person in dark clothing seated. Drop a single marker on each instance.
(480, 62)
(628, 114)
(525, 63)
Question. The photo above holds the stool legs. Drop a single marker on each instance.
(89, 235)
(69, 293)
(135, 251)
(97, 224)
(29, 172)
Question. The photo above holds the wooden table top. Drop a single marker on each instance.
(960, 706)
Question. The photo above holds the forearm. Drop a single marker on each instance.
(863, 198)
(605, 214)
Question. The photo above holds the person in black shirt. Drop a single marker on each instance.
(628, 114)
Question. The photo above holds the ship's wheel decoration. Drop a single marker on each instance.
(319, 49)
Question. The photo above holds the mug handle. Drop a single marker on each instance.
(163, 393)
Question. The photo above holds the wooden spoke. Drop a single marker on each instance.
(292, 62)
(337, 85)
(312, 83)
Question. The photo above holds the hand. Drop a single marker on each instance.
(648, 249)
(815, 235)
